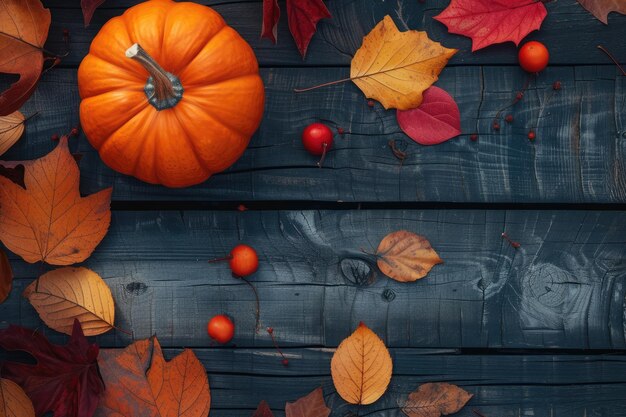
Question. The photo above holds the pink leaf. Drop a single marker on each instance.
(271, 14)
(303, 16)
(435, 121)
(493, 21)
(89, 7)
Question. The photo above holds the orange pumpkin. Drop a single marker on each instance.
(170, 93)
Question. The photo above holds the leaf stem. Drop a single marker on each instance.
(302, 90)
(610, 55)
(258, 304)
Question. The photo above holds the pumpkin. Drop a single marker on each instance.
(169, 93)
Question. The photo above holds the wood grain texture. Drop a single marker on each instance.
(564, 288)
(578, 156)
(569, 31)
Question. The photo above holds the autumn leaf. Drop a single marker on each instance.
(435, 121)
(89, 7)
(11, 130)
(65, 294)
(396, 67)
(24, 28)
(435, 399)
(13, 400)
(64, 380)
(311, 405)
(303, 16)
(6, 277)
(405, 256)
(49, 221)
(179, 388)
(361, 367)
(601, 8)
(263, 410)
(271, 14)
(493, 21)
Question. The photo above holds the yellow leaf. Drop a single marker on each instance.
(396, 67)
(405, 256)
(361, 367)
(13, 400)
(64, 294)
(11, 129)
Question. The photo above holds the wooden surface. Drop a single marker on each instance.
(534, 331)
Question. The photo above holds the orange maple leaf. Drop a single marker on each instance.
(48, 220)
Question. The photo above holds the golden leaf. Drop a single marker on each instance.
(435, 399)
(396, 67)
(48, 220)
(361, 367)
(13, 400)
(64, 294)
(405, 256)
(11, 129)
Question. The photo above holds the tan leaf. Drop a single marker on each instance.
(361, 367)
(13, 400)
(601, 8)
(49, 221)
(405, 256)
(6, 276)
(65, 294)
(11, 129)
(435, 399)
(311, 405)
(24, 28)
(179, 388)
(396, 67)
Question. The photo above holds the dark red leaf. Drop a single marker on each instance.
(6, 277)
(303, 16)
(89, 7)
(64, 380)
(436, 120)
(263, 410)
(271, 14)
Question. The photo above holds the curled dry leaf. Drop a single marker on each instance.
(396, 67)
(13, 400)
(435, 399)
(6, 277)
(140, 383)
(65, 294)
(49, 221)
(601, 8)
(271, 14)
(64, 380)
(311, 405)
(435, 121)
(493, 21)
(11, 130)
(361, 367)
(405, 256)
(263, 410)
(24, 28)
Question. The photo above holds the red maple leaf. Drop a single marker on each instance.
(64, 380)
(493, 21)
(302, 15)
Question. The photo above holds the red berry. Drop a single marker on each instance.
(285, 362)
(55, 137)
(371, 103)
(556, 85)
(243, 260)
(341, 130)
(519, 95)
(317, 138)
(221, 329)
(74, 132)
(473, 137)
(496, 126)
(242, 207)
(533, 56)
(531, 135)
(509, 118)
(270, 330)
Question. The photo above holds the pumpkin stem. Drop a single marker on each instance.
(162, 88)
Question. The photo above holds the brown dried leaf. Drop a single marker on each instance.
(6, 277)
(65, 294)
(13, 400)
(11, 130)
(405, 256)
(263, 410)
(601, 8)
(311, 405)
(361, 367)
(435, 399)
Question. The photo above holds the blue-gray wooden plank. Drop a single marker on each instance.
(578, 157)
(569, 31)
(564, 288)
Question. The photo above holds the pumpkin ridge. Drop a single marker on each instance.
(192, 144)
(215, 119)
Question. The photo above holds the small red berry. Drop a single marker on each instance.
(270, 330)
(243, 260)
(473, 137)
(55, 137)
(242, 207)
(317, 138)
(371, 103)
(533, 56)
(221, 329)
(496, 126)
(531, 135)
(341, 130)
(519, 95)
(556, 85)
(285, 362)
(509, 118)
(74, 131)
